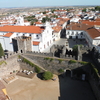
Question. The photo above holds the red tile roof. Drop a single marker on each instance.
(8, 35)
(35, 43)
(98, 19)
(91, 22)
(38, 23)
(57, 28)
(93, 33)
(24, 29)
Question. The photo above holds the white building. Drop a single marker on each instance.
(87, 32)
(41, 38)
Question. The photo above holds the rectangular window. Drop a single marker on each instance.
(72, 33)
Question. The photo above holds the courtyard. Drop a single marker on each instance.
(69, 43)
(64, 88)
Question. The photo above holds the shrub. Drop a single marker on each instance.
(47, 75)
(72, 61)
(60, 70)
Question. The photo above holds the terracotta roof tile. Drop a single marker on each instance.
(35, 43)
(91, 22)
(24, 29)
(57, 28)
(93, 33)
(88, 28)
(8, 35)
(38, 23)
(98, 19)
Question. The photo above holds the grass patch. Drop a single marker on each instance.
(60, 70)
(95, 71)
(47, 58)
(72, 61)
(83, 63)
(51, 59)
(60, 60)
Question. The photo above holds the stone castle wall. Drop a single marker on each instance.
(10, 65)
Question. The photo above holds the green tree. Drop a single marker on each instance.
(52, 10)
(44, 12)
(45, 19)
(75, 49)
(54, 16)
(29, 18)
(33, 21)
(97, 8)
(1, 51)
(47, 75)
(84, 10)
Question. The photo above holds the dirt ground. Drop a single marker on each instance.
(64, 88)
(33, 89)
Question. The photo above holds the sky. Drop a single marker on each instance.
(37, 3)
